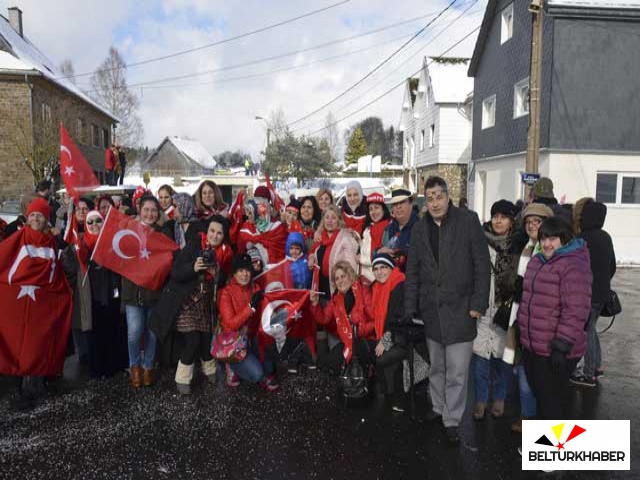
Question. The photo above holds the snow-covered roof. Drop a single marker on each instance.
(26, 58)
(449, 80)
(194, 150)
(614, 4)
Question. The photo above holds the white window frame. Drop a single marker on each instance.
(506, 24)
(619, 178)
(422, 140)
(485, 115)
(432, 135)
(520, 100)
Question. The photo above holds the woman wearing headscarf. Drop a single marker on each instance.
(378, 217)
(354, 207)
(185, 216)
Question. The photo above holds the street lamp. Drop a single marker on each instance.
(258, 117)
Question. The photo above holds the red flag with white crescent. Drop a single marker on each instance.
(134, 250)
(235, 217)
(278, 277)
(282, 315)
(72, 237)
(35, 318)
(75, 171)
(276, 200)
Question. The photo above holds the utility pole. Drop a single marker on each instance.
(536, 7)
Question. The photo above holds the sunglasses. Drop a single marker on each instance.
(97, 221)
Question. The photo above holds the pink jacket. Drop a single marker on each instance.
(556, 301)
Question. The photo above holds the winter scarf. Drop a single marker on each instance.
(328, 242)
(381, 296)
(376, 230)
(506, 265)
(185, 204)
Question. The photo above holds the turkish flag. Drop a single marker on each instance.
(276, 200)
(134, 250)
(281, 316)
(76, 172)
(235, 217)
(72, 237)
(35, 318)
(315, 280)
(278, 277)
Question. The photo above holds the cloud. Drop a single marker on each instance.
(221, 115)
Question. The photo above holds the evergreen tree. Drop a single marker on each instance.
(357, 147)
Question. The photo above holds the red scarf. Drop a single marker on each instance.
(354, 222)
(343, 323)
(328, 242)
(90, 240)
(381, 296)
(376, 230)
(223, 255)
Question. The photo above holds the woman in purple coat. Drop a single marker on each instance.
(555, 306)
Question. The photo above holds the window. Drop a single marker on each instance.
(46, 113)
(427, 95)
(95, 136)
(521, 98)
(421, 140)
(80, 126)
(507, 24)
(105, 138)
(432, 136)
(618, 188)
(488, 112)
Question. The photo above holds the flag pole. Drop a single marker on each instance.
(96, 246)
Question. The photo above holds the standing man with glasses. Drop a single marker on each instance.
(447, 287)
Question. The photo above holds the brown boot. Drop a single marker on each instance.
(148, 377)
(516, 427)
(497, 409)
(136, 377)
(478, 411)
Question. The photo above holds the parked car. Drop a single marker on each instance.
(9, 210)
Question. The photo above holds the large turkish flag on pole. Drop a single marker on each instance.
(72, 237)
(75, 171)
(235, 217)
(35, 318)
(134, 250)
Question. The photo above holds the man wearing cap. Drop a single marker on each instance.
(396, 237)
(447, 287)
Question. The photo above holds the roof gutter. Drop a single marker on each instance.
(600, 13)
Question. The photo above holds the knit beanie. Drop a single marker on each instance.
(39, 205)
(505, 207)
(384, 259)
(241, 261)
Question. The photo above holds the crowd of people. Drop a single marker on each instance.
(516, 298)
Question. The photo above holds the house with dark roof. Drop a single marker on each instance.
(436, 124)
(34, 98)
(590, 99)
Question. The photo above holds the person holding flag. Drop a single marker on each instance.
(139, 303)
(238, 304)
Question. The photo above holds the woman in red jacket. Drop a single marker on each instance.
(349, 306)
(237, 305)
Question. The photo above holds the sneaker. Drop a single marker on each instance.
(583, 381)
(232, 379)
(269, 384)
(452, 435)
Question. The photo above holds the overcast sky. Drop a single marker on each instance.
(221, 115)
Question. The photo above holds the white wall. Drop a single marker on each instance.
(453, 134)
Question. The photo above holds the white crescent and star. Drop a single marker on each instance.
(266, 317)
(117, 238)
(64, 149)
(68, 171)
(30, 251)
(28, 291)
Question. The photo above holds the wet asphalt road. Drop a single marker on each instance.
(105, 430)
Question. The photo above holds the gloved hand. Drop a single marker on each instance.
(256, 298)
(558, 360)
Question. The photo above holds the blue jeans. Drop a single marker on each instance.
(137, 326)
(482, 373)
(251, 369)
(527, 398)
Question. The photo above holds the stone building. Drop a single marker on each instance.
(34, 99)
(436, 125)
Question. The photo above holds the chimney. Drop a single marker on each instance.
(15, 19)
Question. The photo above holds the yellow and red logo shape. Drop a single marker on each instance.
(557, 431)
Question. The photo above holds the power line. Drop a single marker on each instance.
(279, 56)
(409, 58)
(322, 107)
(379, 97)
(219, 42)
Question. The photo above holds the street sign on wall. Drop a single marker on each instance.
(530, 178)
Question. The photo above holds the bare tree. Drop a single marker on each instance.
(67, 69)
(332, 135)
(109, 88)
(277, 124)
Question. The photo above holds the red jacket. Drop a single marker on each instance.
(234, 309)
(109, 159)
(360, 314)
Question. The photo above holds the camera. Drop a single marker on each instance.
(209, 257)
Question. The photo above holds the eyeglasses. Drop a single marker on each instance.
(533, 221)
(97, 221)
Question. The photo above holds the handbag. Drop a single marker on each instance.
(353, 382)
(611, 308)
(503, 315)
(230, 347)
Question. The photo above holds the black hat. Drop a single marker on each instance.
(241, 261)
(43, 185)
(505, 207)
(383, 258)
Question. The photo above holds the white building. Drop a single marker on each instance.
(436, 124)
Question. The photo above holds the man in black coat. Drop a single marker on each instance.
(603, 267)
(447, 286)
